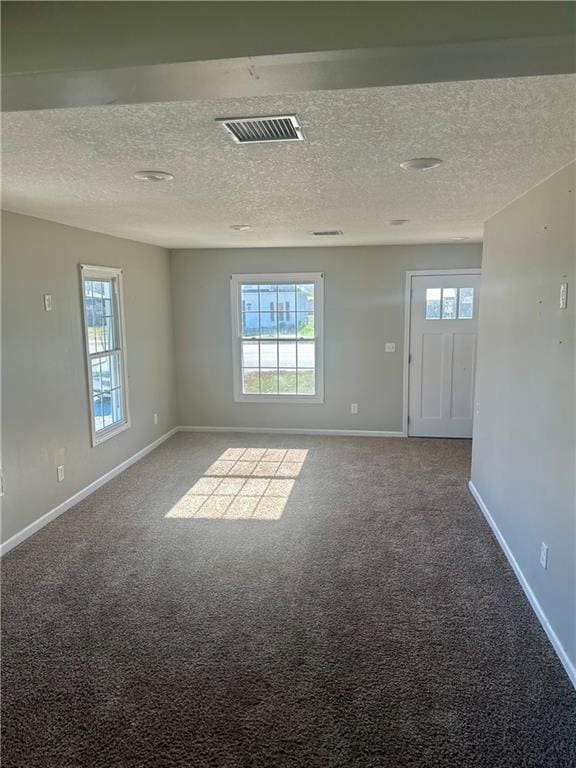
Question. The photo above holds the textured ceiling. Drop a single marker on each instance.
(497, 138)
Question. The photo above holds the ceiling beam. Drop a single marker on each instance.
(291, 73)
(69, 36)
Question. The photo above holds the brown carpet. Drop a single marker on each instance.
(342, 604)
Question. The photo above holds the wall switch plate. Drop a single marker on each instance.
(390, 346)
(354, 408)
(47, 302)
(563, 295)
(155, 418)
(544, 555)
(60, 473)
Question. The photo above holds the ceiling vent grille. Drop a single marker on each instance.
(255, 130)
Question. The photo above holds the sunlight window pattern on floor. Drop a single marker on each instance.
(243, 484)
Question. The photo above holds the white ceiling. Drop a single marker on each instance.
(497, 138)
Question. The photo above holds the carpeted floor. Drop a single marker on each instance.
(340, 605)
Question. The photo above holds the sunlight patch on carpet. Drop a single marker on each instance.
(243, 484)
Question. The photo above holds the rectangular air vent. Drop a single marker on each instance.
(328, 233)
(255, 130)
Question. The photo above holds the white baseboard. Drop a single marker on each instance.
(567, 663)
(19, 537)
(296, 431)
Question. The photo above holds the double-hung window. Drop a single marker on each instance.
(105, 351)
(278, 342)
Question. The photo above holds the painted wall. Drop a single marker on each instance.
(45, 416)
(364, 308)
(524, 451)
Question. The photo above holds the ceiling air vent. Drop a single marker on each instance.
(328, 233)
(255, 130)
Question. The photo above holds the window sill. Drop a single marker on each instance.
(285, 399)
(101, 437)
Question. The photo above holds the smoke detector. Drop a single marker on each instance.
(256, 130)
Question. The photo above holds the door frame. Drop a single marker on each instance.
(407, 318)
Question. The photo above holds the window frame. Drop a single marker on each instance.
(91, 272)
(236, 281)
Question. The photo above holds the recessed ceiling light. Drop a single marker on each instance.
(460, 238)
(421, 163)
(398, 222)
(240, 227)
(153, 176)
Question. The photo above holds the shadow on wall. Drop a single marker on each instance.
(243, 484)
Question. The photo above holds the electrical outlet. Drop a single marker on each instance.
(47, 302)
(544, 555)
(354, 408)
(60, 472)
(155, 418)
(389, 346)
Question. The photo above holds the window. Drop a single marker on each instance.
(278, 344)
(449, 303)
(104, 341)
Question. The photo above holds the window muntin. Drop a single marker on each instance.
(104, 340)
(449, 303)
(277, 343)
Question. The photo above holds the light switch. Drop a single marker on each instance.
(390, 346)
(47, 302)
(563, 295)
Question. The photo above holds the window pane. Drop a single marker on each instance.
(250, 324)
(107, 409)
(249, 296)
(448, 303)
(305, 296)
(269, 381)
(250, 354)
(100, 315)
(117, 406)
(268, 297)
(105, 375)
(115, 374)
(268, 354)
(107, 390)
(287, 382)
(250, 381)
(433, 303)
(98, 417)
(306, 354)
(269, 324)
(96, 377)
(305, 325)
(306, 382)
(287, 354)
(287, 321)
(466, 303)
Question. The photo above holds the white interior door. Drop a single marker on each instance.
(442, 359)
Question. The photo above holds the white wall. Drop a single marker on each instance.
(364, 308)
(45, 410)
(524, 451)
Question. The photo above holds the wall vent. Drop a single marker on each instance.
(327, 233)
(255, 130)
